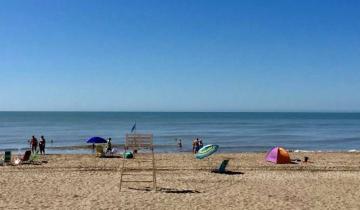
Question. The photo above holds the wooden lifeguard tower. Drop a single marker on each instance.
(144, 147)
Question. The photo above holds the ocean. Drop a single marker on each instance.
(233, 132)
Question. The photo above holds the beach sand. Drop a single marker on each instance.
(329, 181)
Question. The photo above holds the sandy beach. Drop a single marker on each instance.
(329, 181)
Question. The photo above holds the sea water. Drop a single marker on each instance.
(233, 132)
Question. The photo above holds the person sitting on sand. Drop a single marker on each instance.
(42, 143)
(33, 144)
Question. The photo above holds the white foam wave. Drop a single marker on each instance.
(299, 150)
(353, 150)
(305, 151)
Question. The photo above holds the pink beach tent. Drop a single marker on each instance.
(278, 155)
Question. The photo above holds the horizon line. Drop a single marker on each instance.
(148, 111)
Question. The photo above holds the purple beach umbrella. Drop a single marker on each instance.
(96, 140)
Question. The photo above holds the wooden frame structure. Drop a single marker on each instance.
(137, 142)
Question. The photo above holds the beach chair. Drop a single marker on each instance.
(110, 153)
(26, 157)
(222, 167)
(114, 151)
(100, 151)
(7, 157)
(23, 160)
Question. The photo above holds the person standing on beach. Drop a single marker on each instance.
(33, 144)
(195, 145)
(200, 143)
(42, 145)
(109, 147)
(197, 148)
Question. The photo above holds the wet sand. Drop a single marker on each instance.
(329, 181)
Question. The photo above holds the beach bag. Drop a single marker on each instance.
(128, 155)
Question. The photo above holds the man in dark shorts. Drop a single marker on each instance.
(196, 146)
(200, 144)
(42, 145)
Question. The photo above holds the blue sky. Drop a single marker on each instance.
(184, 55)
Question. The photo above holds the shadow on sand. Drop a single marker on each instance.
(166, 190)
(227, 172)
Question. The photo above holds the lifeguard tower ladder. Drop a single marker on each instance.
(141, 145)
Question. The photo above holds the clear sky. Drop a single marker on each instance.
(198, 55)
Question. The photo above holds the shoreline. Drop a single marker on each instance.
(174, 149)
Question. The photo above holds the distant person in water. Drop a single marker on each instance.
(42, 143)
(179, 143)
(33, 144)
